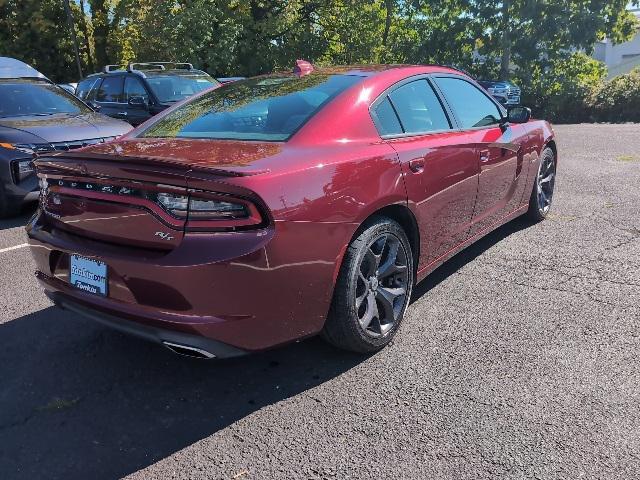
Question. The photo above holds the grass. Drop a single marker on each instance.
(628, 158)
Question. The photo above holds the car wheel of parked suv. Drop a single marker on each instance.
(542, 193)
(373, 288)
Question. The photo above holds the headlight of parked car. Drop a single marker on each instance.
(22, 169)
(29, 148)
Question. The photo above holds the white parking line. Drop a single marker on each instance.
(8, 249)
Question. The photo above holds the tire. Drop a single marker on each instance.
(376, 277)
(543, 186)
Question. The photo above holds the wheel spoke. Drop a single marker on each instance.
(371, 312)
(387, 297)
(378, 256)
(360, 299)
(547, 179)
(389, 265)
(370, 263)
(544, 198)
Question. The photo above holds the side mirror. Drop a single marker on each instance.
(518, 114)
(138, 102)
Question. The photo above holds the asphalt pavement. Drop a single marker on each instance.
(519, 358)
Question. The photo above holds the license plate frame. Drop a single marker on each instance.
(89, 275)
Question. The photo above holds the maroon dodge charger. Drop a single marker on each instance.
(279, 207)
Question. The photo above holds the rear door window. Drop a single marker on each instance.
(472, 107)
(419, 109)
(111, 90)
(133, 88)
(386, 119)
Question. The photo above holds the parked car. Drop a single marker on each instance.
(38, 116)
(69, 87)
(141, 90)
(505, 92)
(283, 206)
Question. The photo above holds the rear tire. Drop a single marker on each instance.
(373, 288)
(543, 186)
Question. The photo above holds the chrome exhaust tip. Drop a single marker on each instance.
(188, 351)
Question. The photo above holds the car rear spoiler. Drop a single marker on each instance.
(181, 164)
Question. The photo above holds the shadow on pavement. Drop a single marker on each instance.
(20, 220)
(468, 255)
(81, 401)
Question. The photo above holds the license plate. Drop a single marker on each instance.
(88, 275)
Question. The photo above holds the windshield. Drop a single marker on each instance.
(271, 108)
(173, 88)
(26, 97)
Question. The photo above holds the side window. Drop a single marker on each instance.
(472, 107)
(133, 88)
(386, 119)
(85, 86)
(419, 109)
(110, 90)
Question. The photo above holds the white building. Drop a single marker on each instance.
(620, 58)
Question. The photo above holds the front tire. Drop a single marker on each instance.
(543, 187)
(373, 288)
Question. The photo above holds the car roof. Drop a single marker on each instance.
(372, 70)
(13, 68)
(149, 73)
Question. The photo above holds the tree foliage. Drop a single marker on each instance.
(533, 41)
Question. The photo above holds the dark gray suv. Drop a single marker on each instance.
(38, 116)
(138, 91)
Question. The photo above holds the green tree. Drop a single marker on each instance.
(521, 33)
(35, 31)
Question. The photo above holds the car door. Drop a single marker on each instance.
(439, 167)
(133, 88)
(110, 97)
(498, 146)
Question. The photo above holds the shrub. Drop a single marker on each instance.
(618, 100)
(561, 91)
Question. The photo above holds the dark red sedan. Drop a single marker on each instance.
(283, 206)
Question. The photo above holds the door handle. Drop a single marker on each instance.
(484, 155)
(416, 165)
(122, 114)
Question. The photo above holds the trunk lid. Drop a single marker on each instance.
(112, 202)
(106, 191)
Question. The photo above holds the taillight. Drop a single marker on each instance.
(215, 209)
(199, 210)
(211, 211)
(176, 205)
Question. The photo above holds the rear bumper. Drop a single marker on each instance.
(249, 290)
(206, 346)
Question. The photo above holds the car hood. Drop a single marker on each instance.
(60, 128)
(233, 157)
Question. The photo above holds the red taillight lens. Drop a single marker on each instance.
(213, 211)
(203, 209)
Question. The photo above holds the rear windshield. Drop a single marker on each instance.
(269, 109)
(173, 88)
(26, 97)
